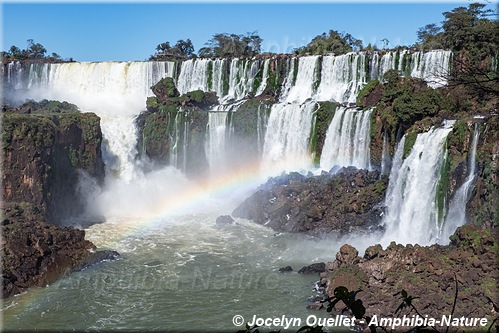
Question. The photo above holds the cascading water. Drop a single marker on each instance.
(411, 212)
(265, 76)
(216, 141)
(173, 254)
(305, 78)
(261, 127)
(180, 139)
(347, 140)
(193, 76)
(208, 75)
(341, 77)
(432, 66)
(456, 215)
(115, 91)
(385, 156)
(287, 138)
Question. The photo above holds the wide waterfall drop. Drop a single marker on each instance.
(115, 91)
(411, 209)
(347, 140)
(456, 215)
(216, 141)
(432, 66)
(341, 77)
(286, 146)
(305, 78)
(193, 75)
(173, 251)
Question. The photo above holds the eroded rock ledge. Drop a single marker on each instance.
(349, 201)
(429, 273)
(36, 253)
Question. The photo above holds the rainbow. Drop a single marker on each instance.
(222, 185)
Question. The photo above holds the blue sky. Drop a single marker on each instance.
(130, 31)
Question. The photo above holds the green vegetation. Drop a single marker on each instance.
(472, 36)
(224, 45)
(183, 49)
(366, 90)
(332, 42)
(323, 117)
(33, 51)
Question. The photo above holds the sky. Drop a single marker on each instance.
(129, 31)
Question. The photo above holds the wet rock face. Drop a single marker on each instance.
(45, 154)
(349, 201)
(48, 146)
(36, 253)
(313, 268)
(429, 273)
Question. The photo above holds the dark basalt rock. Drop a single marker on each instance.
(286, 269)
(349, 201)
(428, 273)
(224, 220)
(316, 268)
(35, 253)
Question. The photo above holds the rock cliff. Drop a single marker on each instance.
(47, 147)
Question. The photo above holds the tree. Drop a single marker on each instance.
(430, 37)
(332, 42)
(15, 52)
(35, 50)
(231, 45)
(184, 48)
(163, 47)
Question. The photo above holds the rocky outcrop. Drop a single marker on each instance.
(429, 273)
(45, 151)
(483, 207)
(47, 146)
(344, 203)
(35, 253)
(174, 123)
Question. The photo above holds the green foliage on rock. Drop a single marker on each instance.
(323, 117)
(332, 42)
(165, 88)
(366, 90)
(225, 45)
(33, 52)
(410, 107)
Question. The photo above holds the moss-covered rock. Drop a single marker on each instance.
(165, 89)
(428, 273)
(44, 155)
(323, 117)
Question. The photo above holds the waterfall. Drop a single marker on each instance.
(265, 76)
(261, 127)
(342, 77)
(305, 78)
(288, 80)
(193, 76)
(180, 136)
(115, 91)
(456, 216)
(287, 138)
(432, 66)
(347, 140)
(216, 141)
(385, 156)
(208, 75)
(411, 212)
